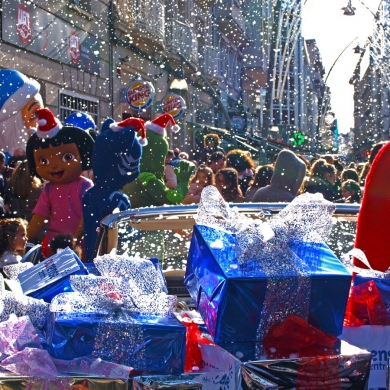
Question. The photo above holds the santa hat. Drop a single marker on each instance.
(137, 123)
(159, 124)
(48, 125)
(16, 90)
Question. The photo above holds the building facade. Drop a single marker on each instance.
(87, 53)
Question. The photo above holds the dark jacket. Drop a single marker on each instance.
(318, 184)
(285, 182)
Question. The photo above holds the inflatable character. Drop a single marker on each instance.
(59, 154)
(19, 101)
(149, 188)
(373, 229)
(80, 119)
(115, 162)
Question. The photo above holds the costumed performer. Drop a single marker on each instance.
(373, 228)
(149, 188)
(115, 162)
(59, 154)
(19, 101)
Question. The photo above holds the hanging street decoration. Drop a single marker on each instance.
(140, 94)
(173, 104)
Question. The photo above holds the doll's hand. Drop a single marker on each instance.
(146, 177)
(184, 172)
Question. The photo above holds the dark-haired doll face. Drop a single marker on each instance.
(58, 164)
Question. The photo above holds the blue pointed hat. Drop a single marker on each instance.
(16, 90)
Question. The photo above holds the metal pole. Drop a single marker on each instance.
(267, 120)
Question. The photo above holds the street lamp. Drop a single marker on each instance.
(349, 10)
(179, 83)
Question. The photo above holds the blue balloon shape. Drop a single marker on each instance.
(82, 120)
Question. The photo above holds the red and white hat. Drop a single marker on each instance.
(48, 125)
(137, 123)
(159, 124)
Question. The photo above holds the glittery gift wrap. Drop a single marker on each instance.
(146, 343)
(234, 299)
(349, 369)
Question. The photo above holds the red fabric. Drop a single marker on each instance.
(194, 336)
(366, 306)
(294, 336)
(373, 227)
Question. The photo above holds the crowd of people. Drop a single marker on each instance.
(234, 173)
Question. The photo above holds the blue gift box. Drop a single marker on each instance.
(230, 297)
(52, 276)
(147, 343)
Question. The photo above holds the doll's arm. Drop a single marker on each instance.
(35, 226)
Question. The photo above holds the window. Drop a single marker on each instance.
(70, 102)
(84, 5)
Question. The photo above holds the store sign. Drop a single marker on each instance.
(173, 104)
(140, 94)
(26, 25)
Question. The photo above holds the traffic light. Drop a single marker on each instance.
(298, 138)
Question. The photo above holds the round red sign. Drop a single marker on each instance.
(23, 24)
(173, 104)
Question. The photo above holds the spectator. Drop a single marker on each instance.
(349, 174)
(350, 189)
(262, 178)
(211, 144)
(23, 192)
(5, 170)
(328, 158)
(63, 240)
(374, 151)
(243, 164)
(226, 181)
(286, 180)
(169, 173)
(216, 161)
(203, 177)
(322, 179)
(13, 240)
(184, 155)
(18, 157)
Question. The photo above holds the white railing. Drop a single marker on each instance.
(147, 16)
(179, 37)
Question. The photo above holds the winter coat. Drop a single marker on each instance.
(318, 184)
(286, 180)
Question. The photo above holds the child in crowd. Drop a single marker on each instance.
(13, 240)
(203, 177)
(351, 191)
(63, 240)
(226, 181)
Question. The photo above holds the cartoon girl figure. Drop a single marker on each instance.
(59, 154)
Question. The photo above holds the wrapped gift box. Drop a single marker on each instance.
(230, 296)
(220, 371)
(146, 343)
(348, 370)
(51, 277)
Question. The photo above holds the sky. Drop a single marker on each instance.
(323, 20)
